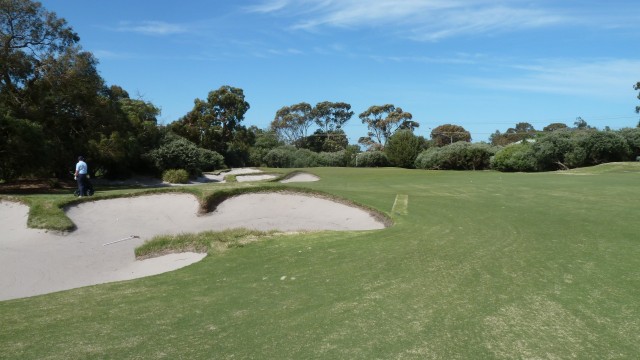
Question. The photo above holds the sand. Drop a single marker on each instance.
(34, 262)
(301, 177)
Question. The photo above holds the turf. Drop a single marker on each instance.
(477, 265)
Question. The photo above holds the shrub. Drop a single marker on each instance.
(632, 136)
(457, 156)
(515, 157)
(402, 149)
(175, 176)
(372, 159)
(180, 153)
(337, 158)
(552, 150)
(281, 157)
(289, 156)
(305, 158)
(601, 147)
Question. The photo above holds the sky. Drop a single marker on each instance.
(482, 64)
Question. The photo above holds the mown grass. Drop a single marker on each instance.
(479, 265)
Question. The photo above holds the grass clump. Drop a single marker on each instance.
(176, 176)
(208, 241)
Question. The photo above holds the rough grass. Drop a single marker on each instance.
(205, 242)
(478, 265)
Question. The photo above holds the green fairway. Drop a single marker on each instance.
(478, 265)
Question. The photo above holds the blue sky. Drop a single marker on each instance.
(481, 64)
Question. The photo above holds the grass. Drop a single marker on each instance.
(478, 265)
(205, 242)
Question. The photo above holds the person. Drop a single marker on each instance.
(81, 175)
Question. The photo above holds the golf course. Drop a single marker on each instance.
(472, 265)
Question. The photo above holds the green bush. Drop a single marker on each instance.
(335, 159)
(179, 153)
(372, 159)
(632, 136)
(281, 157)
(604, 146)
(176, 176)
(461, 155)
(563, 149)
(556, 150)
(305, 158)
(289, 156)
(402, 149)
(515, 157)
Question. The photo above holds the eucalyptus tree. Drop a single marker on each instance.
(292, 123)
(330, 116)
(448, 134)
(213, 123)
(382, 122)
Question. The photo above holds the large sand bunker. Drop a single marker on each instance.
(36, 262)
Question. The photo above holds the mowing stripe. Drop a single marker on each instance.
(401, 204)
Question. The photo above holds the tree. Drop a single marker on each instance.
(45, 80)
(291, 123)
(49, 85)
(382, 122)
(332, 141)
(29, 36)
(554, 127)
(20, 144)
(402, 149)
(212, 124)
(448, 134)
(522, 130)
(330, 116)
(265, 141)
(581, 124)
(127, 130)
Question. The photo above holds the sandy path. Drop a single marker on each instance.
(36, 262)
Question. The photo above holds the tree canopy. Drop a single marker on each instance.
(330, 116)
(521, 131)
(30, 37)
(448, 134)
(383, 121)
(214, 123)
(554, 127)
(291, 123)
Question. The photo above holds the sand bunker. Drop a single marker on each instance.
(247, 178)
(301, 177)
(36, 262)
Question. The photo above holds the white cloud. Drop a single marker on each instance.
(425, 20)
(605, 78)
(268, 6)
(152, 28)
